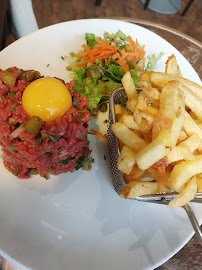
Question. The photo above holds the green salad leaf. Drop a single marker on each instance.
(90, 40)
(119, 39)
(152, 60)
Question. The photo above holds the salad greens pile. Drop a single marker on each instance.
(97, 80)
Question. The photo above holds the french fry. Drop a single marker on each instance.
(142, 104)
(199, 184)
(126, 160)
(129, 85)
(179, 153)
(135, 188)
(148, 116)
(152, 110)
(129, 122)
(184, 150)
(198, 122)
(161, 79)
(182, 136)
(182, 172)
(134, 175)
(161, 135)
(119, 109)
(190, 127)
(145, 127)
(151, 174)
(153, 152)
(192, 101)
(131, 104)
(150, 91)
(171, 113)
(128, 137)
(193, 142)
(172, 66)
(200, 149)
(186, 195)
(145, 76)
(191, 90)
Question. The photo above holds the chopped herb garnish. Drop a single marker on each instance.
(91, 133)
(79, 121)
(106, 121)
(13, 149)
(8, 69)
(12, 109)
(105, 157)
(126, 59)
(65, 161)
(14, 101)
(46, 177)
(59, 148)
(79, 162)
(120, 53)
(121, 47)
(92, 160)
(83, 110)
(10, 94)
(72, 54)
(62, 57)
(54, 139)
(48, 65)
(47, 154)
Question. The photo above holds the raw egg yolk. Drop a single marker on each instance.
(47, 98)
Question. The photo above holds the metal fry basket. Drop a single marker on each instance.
(117, 176)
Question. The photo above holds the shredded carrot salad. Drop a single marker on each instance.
(98, 134)
(131, 53)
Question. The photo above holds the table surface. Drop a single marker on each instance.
(190, 257)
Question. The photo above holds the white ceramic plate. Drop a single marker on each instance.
(76, 220)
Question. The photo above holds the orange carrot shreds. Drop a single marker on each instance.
(135, 47)
(102, 42)
(161, 173)
(86, 47)
(123, 65)
(128, 47)
(99, 134)
(90, 60)
(93, 59)
(132, 43)
(124, 56)
(142, 48)
(90, 52)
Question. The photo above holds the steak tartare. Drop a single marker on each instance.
(32, 146)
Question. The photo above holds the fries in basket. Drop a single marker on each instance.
(160, 135)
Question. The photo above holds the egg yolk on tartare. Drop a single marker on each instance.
(47, 98)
